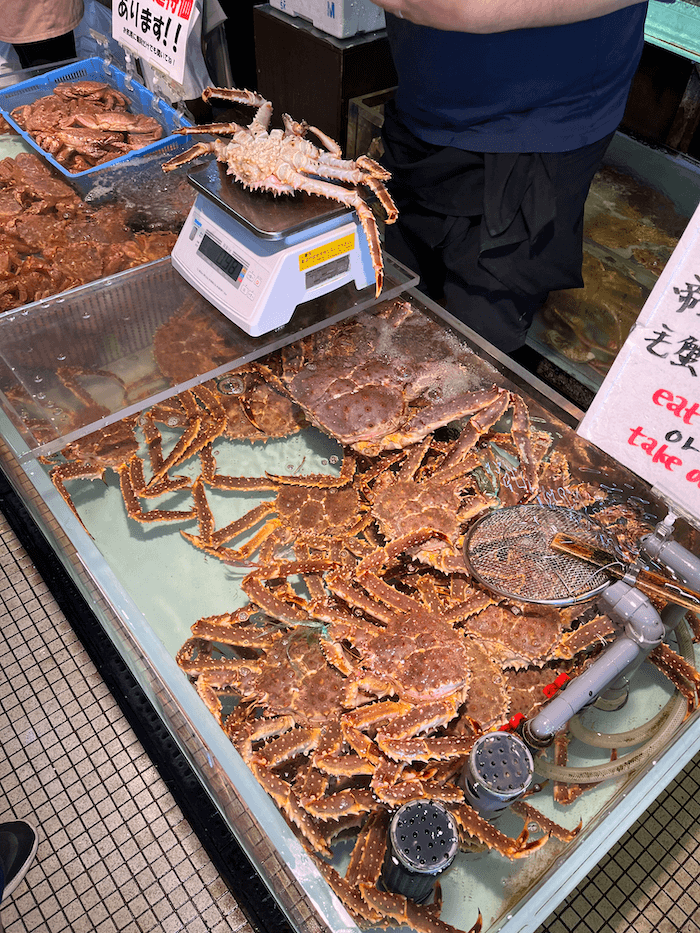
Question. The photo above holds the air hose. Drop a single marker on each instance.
(655, 733)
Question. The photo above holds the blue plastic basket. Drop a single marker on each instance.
(141, 101)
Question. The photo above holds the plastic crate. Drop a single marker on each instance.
(141, 101)
(339, 18)
(365, 121)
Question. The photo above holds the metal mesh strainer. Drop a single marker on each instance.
(510, 552)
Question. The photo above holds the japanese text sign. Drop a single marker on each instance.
(155, 30)
(647, 412)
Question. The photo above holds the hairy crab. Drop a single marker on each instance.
(285, 161)
(86, 123)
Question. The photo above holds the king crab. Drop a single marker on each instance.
(337, 755)
(387, 378)
(285, 161)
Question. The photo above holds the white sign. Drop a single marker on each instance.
(155, 30)
(647, 412)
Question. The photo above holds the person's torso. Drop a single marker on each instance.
(535, 90)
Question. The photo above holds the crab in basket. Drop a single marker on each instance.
(284, 161)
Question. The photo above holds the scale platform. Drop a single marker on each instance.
(256, 257)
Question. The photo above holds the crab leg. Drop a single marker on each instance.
(349, 197)
(406, 911)
(213, 129)
(146, 491)
(529, 813)
(133, 506)
(522, 436)
(295, 742)
(285, 798)
(319, 479)
(425, 749)
(343, 803)
(682, 675)
(194, 152)
(352, 899)
(330, 144)
(479, 423)
(293, 127)
(474, 825)
(229, 628)
(74, 471)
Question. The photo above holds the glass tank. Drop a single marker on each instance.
(638, 206)
(276, 546)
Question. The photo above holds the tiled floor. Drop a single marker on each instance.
(117, 854)
(115, 851)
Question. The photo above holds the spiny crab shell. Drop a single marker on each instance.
(383, 380)
(285, 161)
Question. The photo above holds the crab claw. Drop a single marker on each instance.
(194, 152)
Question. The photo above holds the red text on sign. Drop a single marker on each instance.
(650, 446)
(676, 404)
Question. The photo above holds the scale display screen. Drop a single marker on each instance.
(222, 259)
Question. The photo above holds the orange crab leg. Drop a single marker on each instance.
(133, 506)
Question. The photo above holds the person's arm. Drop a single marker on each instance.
(486, 16)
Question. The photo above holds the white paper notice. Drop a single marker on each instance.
(155, 30)
(647, 412)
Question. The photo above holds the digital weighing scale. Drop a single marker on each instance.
(256, 257)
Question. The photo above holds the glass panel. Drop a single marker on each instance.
(638, 206)
(87, 357)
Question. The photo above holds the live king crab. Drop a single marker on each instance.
(339, 743)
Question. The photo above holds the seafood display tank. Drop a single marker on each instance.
(638, 206)
(233, 508)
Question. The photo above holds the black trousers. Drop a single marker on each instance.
(490, 234)
(59, 49)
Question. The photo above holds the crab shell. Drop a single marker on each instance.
(285, 161)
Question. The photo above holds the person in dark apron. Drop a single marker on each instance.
(493, 138)
(41, 31)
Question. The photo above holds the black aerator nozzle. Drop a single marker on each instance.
(499, 770)
(423, 841)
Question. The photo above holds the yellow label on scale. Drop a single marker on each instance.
(314, 257)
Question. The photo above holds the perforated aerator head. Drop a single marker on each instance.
(510, 552)
(423, 841)
(498, 771)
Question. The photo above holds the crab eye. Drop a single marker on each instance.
(231, 385)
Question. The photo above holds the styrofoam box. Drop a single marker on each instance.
(339, 18)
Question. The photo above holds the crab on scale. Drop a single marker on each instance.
(283, 161)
